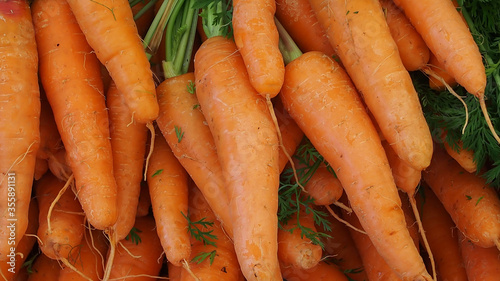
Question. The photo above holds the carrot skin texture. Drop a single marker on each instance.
(346, 139)
(244, 135)
(66, 220)
(259, 50)
(124, 56)
(19, 117)
(44, 269)
(449, 39)
(299, 20)
(168, 188)
(128, 144)
(324, 187)
(75, 94)
(361, 38)
(321, 272)
(412, 48)
(481, 264)
(442, 236)
(196, 151)
(466, 197)
(146, 258)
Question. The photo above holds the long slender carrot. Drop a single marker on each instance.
(61, 219)
(466, 197)
(298, 18)
(247, 146)
(19, 120)
(412, 48)
(328, 109)
(259, 50)
(76, 96)
(358, 31)
(128, 144)
(110, 30)
(480, 263)
(183, 125)
(168, 188)
(442, 236)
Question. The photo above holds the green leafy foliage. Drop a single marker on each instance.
(217, 16)
(200, 230)
(199, 258)
(133, 236)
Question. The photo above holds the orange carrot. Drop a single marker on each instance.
(466, 197)
(110, 30)
(86, 262)
(247, 146)
(11, 268)
(143, 257)
(76, 96)
(480, 263)
(321, 272)
(50, 140)
(213, 259)
(299, 20)
(329, 111)
(168, 188)
(59, 166)
(184, 127)
(61, 219)
(358, 31)
(324, 187)
(464, 157)
(144, 203)
(442, 236)
(406, 177)
(128, 144)
(41, 167)
(259, 50)
(19, 121)
(412, 48)
(296, 250)
(44, 269)
(438, 69)
(340, 246)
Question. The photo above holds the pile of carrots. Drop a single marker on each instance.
(113, 169)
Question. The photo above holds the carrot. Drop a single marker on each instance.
(19, 121)
(213, 256)
(324, 186)
(128, 144)
(61, 219)
(406, 177)
(247, 147)
(448, 37)
(329, 111)
(183, 125)
(438, 69)
(464, 157)
(144, 203)
(412, 48)
(75, 94)
(41, 167)
(466, 197)
(50, 140)
(480, 263)
(174, 272)
(442, 236)
(358, 31)
(44, 269)
(86, 262)
(110, 30)
(143, 257)
(321, 272)
(168, 188)
(298, 18)
(295, 249)
(259, 50)
(11, 268)
(340, 246)
(59, 166)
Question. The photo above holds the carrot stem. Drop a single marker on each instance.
(155, 32)
(288, 47)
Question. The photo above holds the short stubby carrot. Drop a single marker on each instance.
(323, 101)
(248, 151)
(466, 197)
(259, 50)
(19, 120)
(359, 33)
(70, 75)
(110, 30)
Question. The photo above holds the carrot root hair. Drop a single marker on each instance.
(128, 251)
(186, 266)
(343, 206)
(497, 243)
(343, 221)
(482, 104)
(54, 202)
(112, 251)
(151, 147)
(68, 264)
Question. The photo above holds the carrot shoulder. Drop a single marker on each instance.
(359, 33)
(19, 119)
(328, 109)
(75, 94)
(247, 146)
(110, 30)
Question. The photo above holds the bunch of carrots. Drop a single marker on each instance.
(238, 140)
